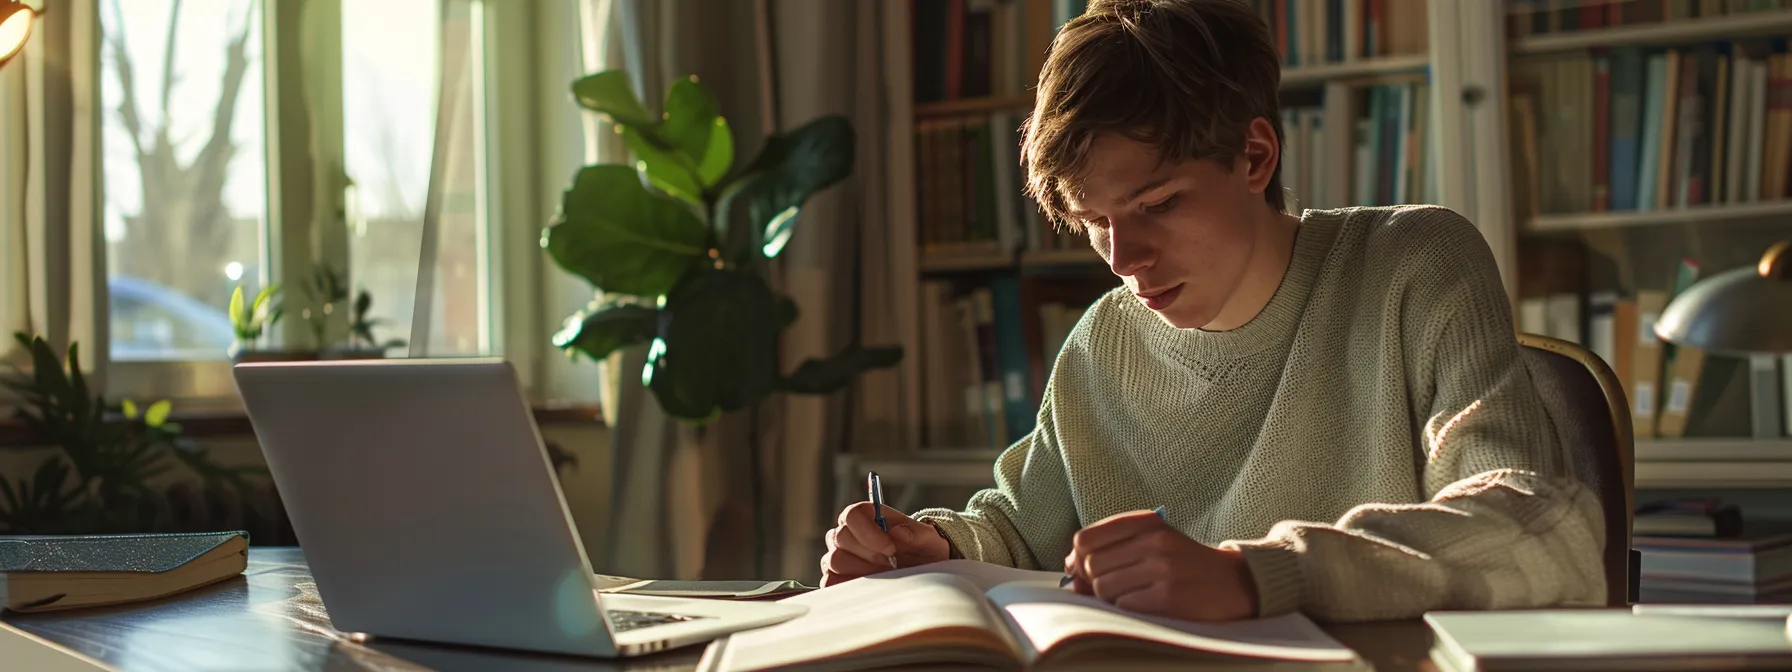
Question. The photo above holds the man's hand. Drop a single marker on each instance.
(1137, 562)
(857, 547)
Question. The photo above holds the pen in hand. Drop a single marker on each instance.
(1068, 579)
(875, 488)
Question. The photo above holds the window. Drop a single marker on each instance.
(389, 132)
(197, 174)
(185, 172)
(204, 146)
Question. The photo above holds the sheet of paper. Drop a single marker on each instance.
(861, 614)
(1049, 615)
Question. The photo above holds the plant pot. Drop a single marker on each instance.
(241, 355)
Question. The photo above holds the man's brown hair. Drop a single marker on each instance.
(1186, 76)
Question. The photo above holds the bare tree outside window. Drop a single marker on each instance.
(185, 175)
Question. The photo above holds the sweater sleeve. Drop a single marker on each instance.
(1503, 525)
(1027, 519)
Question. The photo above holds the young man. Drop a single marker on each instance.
(1329, 406)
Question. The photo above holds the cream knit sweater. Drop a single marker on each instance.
(1370, 441)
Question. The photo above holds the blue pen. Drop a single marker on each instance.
(875, 487)
(1067, 580)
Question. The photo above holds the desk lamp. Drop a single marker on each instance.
(15, 27)
(1743, 312)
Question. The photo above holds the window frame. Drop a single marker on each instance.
(307, 195)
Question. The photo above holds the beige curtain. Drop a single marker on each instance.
(683, 506)
(828, 61)
(48, 198)
(670, 478)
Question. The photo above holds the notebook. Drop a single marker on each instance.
(966, 613)
(44, 573)
(1605, 639)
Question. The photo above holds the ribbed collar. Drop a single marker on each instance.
(1278, 320)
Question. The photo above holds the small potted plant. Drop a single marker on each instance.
(250, 320)
(361, 342)
(328, 293)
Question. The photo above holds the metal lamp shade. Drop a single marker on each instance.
(1738, 312)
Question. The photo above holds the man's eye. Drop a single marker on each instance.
(1162, 206)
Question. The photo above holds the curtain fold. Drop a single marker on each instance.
(827, 63)
(48, 197)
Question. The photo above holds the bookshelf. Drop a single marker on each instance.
(1713, 463)
(1365, 68)
(984, 284)
(1702, 215)
(1761, 23)
(1649, 145)
(1465, 101)
(1017, 102)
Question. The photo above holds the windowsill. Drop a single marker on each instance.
(227, 424)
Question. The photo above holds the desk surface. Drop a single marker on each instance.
(270, 619)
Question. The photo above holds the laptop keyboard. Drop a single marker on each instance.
(623, 621)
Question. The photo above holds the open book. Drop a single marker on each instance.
(964, 613)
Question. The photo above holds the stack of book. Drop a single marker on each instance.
(1703, 551)
(1755, 567)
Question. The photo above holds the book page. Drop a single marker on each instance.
(984, 575)
(1051, 616)
(877, 616)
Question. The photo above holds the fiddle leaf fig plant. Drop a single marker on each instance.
(678, 245)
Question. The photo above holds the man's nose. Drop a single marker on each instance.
(1130, 250)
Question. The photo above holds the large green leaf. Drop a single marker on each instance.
(792, 167)
(599, 332)
(821, 376)
(667, 169)
(719, 157)
(718, 345)
(610, 93)
(621, 237)
(691, 125)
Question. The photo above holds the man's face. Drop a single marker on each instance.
(1179, 234)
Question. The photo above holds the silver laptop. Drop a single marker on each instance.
(428, 510)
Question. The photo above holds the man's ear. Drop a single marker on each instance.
(1261, 154)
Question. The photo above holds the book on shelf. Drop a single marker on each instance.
(966, 49)
(1698, 518)
(1680, 370)
(1786, 392)
(1390, 137)
(1670, 389)
(970, 194)
(1319, 32)
(987, 349)
(961, 613)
